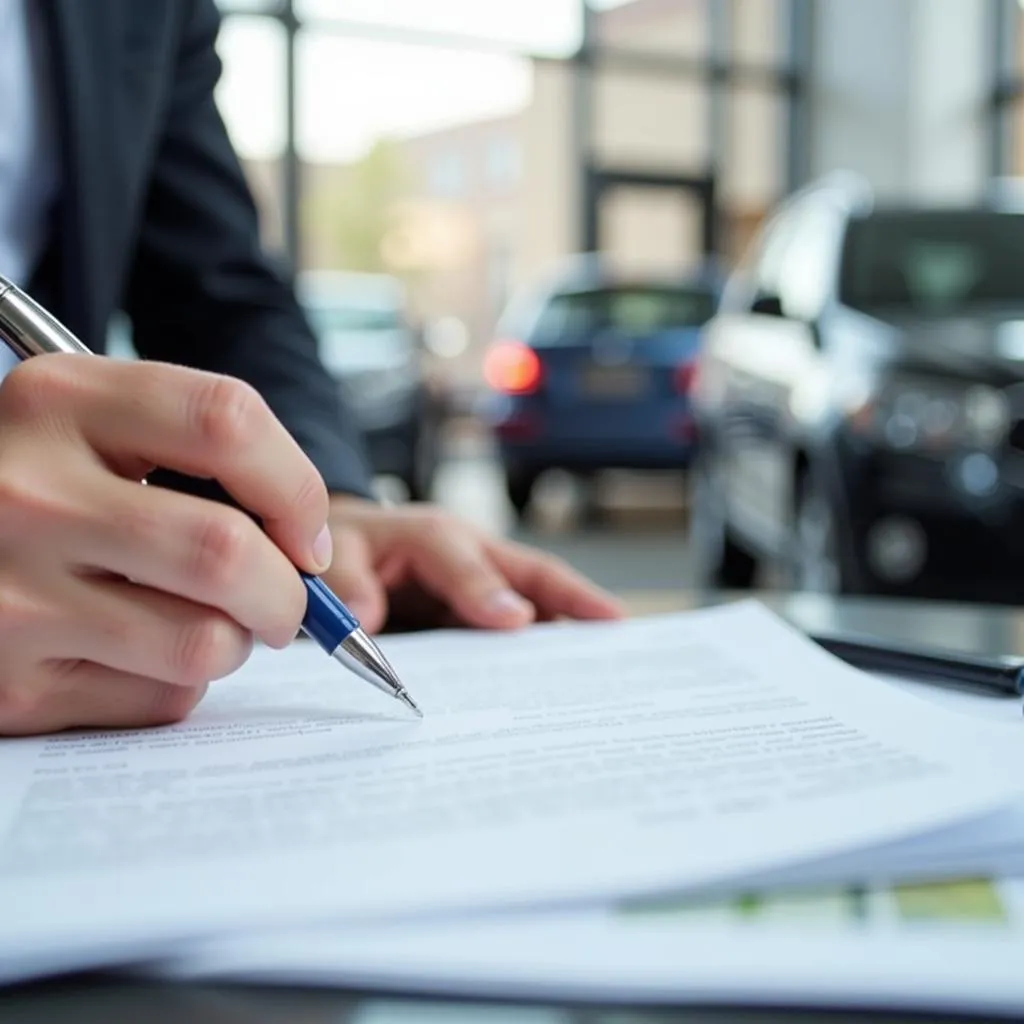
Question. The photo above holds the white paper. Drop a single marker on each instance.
(811, 954)
(568, 764)
(975, 703)
(992, 846)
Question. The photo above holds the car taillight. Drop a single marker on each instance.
(512, 368)
(685, 377)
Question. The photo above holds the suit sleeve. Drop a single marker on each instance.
(203, 294)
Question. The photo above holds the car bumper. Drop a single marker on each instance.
(663, 438)
(606, 456)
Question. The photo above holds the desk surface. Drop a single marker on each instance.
(110, 1001)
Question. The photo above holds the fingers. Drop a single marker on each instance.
(104, 652)
(84, 695)
(555, 589)
(80, 645)
(436, 570)
(206, 552)
(145, 633)
(200, 424)
(453, 564)
(354, 579)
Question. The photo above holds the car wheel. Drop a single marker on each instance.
(718, 562)
(817, 564)
(519, 485)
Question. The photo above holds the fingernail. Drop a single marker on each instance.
(323, 549)
(507, 603)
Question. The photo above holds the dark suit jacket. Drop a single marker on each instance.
(155, 218)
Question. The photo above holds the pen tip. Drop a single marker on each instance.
(404, 697)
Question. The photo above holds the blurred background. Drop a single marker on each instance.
(692, 292)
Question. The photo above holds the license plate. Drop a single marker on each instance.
(614, 381)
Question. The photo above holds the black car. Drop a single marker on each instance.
(368, 343)
(859, 402)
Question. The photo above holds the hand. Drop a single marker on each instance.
(80, 645)
(416, 566)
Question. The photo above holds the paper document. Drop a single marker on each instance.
(953, 946)
(567, 764)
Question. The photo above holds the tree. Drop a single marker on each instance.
(353, 218)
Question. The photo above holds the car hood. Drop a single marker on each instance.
(987, 348)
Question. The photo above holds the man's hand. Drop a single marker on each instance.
(119, 603)
(416, 566)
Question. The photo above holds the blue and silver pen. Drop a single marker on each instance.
(29, 330)
(338, 632)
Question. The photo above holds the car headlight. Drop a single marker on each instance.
(924, 414)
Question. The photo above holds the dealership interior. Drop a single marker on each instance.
(719, 303)
(697, 294)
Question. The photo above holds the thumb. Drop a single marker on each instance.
(354, 579)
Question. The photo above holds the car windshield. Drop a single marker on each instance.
(635, 311)
(939, 262)
(340, 320)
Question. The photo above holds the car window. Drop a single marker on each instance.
(352, 336)
(571, 316)
(354, 318)
(936, 262)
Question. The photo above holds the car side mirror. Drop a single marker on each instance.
(767, 305)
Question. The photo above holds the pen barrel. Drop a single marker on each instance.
(327, 620)
(1003, 675)
(29, 330)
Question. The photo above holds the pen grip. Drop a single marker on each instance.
(327, 620)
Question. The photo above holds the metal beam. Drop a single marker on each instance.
(291, 172)
(1004, 22)
(720, 38)
(798, 114)
(581, 131)
(638, 61)
(668, 65)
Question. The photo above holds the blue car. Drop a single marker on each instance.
(594, 372)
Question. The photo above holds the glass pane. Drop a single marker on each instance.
(753, 166)
(759, 31)
(646, 230)
(1012, 124)
(414, 159)
(353, 92)
(677, 27)
(653, 122)
(639, 311)
(540, 26)
(251, 98)
(934, 262)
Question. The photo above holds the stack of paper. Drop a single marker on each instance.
(950, 947)
(573, 766)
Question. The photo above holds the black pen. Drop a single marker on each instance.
(1001, 674)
